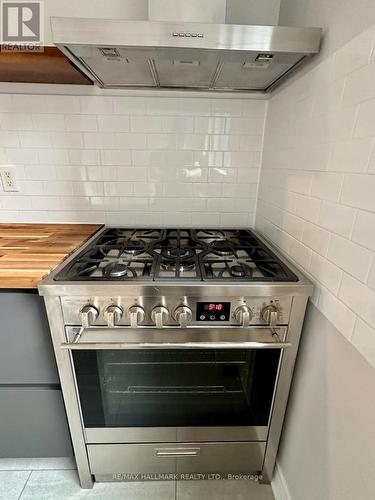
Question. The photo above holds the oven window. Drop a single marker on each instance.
(162, 388)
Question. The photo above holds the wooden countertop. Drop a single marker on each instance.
(28, 252)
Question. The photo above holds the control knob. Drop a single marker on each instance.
(243, 315)
(160, 316)
(113, 314)
(183, 315)
(88, 315)
(270, 315)
(136, 315)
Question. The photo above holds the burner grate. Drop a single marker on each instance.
(177, 254)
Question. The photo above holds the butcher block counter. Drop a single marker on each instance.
(28, 252)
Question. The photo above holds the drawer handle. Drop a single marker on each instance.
(177, 452)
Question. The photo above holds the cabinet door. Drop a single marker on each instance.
(26, 352)
(33, 423)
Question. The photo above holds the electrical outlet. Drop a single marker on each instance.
(8, 179)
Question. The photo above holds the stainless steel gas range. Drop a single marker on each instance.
(175, 349)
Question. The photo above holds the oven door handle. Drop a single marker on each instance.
(176, 345)
(120, 338)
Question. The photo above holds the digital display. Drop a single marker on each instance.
(213, 311)
(214, 307)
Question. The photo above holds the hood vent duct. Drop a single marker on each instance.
(183, 55)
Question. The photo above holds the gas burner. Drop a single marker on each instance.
(115, 270)
(186, 265)
(239, 271)
(134, 247)
(222, 247)
(172, 254)
(177, 254)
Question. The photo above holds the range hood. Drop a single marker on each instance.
(183, 55)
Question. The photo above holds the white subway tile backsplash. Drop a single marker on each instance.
(128, 106)
(172, 189)
(322, 126)
(144, 124)
(177, 124)
(67, 140)
(51, 156)
(96, 105)
(15, 121)
(327, 273)
(84, 157)
(359, 297)
(315, 238)
(225, 142)
(99, 140)
(20, 156)
(148, 189)
(326, 186)
(81, 123)
(125, 140)
(118, 188)
(193, 142)
(33, 139)
(337, 218)
(61, 104)
(88, 188)
(28, 104)
(115, 157)
(206, 190)
(71, 173)
(351, 257)
(359, 85)
(222, 174)
(162, 106)
(353, 55)
(359, 191)
(351, 155)
(308, 208)
(113, 123)
(158, 141)
(293, 225)
(365, 126)
(195, 106)
(364, 230)
(40, 172)
(371, 276)
(9, 139)
(48, 122)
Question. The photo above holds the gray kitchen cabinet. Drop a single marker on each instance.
(26, 352)
(32, 415)
(33, 423)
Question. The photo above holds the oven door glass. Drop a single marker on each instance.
(162, 388)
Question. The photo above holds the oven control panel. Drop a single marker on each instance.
(213, 311)
(165, 311)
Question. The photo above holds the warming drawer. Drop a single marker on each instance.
(108, 459)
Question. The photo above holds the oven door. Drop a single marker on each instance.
(176, 385)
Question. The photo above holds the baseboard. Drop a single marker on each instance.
(279, 486)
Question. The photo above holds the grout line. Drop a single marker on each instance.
(24, 486)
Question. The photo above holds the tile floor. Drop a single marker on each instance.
(56, 479)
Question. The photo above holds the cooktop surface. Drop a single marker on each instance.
(177, 254)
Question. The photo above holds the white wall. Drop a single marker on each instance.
(316, 202)
(327, 449)
(131, 160)
(317, 188)
(341, 20)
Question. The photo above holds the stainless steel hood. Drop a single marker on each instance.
(181, 55)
